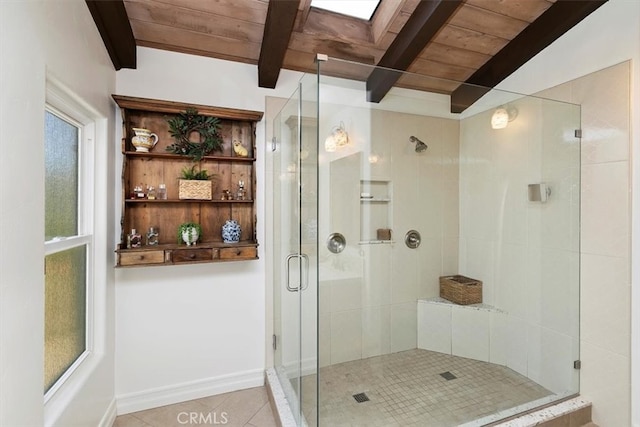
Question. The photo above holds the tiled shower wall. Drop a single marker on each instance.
(537, 244)
(368, 293)
(526, 253)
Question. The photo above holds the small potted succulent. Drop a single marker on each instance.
(189, 232)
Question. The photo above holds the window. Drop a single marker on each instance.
(68, 245)
(363, 9)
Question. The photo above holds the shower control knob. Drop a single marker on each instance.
(336, 243)
(412, 239)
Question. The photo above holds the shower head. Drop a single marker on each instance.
(420, 146)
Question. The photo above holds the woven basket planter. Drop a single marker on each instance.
(194, 190)
(461, 290)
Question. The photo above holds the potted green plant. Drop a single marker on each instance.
(189, 232)
(194, 184)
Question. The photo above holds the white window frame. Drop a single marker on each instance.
(62, 104)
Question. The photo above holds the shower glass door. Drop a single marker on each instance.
(413, 194)
(295, 250)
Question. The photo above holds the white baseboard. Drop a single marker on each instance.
(168, 395)
(109, 416)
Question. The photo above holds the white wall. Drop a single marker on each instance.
(189, 331)
(609, 36)
(56, 40)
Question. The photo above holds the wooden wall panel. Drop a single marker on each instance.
(233, 30)
(299, 61)
(245, 10)
(195, 20)
(487, 22)
(179, 40)
(470, 40)
(525, 10)
(417, 82)
(338, 49)
(331, 25)
(453, 55)
(384, 17)
(440, 70)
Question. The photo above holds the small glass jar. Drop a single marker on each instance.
(135, 239)
(162, 192)
(152, 237)
(139, 192)
(151, 193)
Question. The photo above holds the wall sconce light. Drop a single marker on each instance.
(502, 116)
(337, 138)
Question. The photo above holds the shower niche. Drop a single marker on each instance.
(375, 212)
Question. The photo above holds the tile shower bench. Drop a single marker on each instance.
(461, 330)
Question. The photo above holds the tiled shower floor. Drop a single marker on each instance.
(406, 389)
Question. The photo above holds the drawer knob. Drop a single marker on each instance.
(238, 252)
(192, 256)
(141, 257)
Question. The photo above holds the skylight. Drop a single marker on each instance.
(362, 9)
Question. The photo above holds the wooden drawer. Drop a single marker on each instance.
(141, 257)
(246, 252)
(192, 255)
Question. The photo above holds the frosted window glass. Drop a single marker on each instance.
(61, 177)
(65, 312)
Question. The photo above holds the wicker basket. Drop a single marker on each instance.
(194, 190)
(461, 290)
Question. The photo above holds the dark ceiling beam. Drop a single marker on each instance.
(114, 28)
(552, 24)
(421, 27)
(281, 15)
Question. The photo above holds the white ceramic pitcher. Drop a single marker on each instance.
(144, 140)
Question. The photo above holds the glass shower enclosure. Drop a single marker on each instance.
(425, 263)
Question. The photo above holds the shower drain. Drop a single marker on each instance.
(448, 376)
(361, 397)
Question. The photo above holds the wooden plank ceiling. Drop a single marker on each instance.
(451, 41)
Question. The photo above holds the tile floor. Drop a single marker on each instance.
(404, 389)
(407, 389)
(248, 408)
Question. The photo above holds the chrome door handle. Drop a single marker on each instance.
(288, 275)
(304, 280)
(305, 283)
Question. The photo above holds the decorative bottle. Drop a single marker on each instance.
(152, 237)
(162, 192)
(151, 193)
(135, 239)
(240, 195)
(139, 192)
